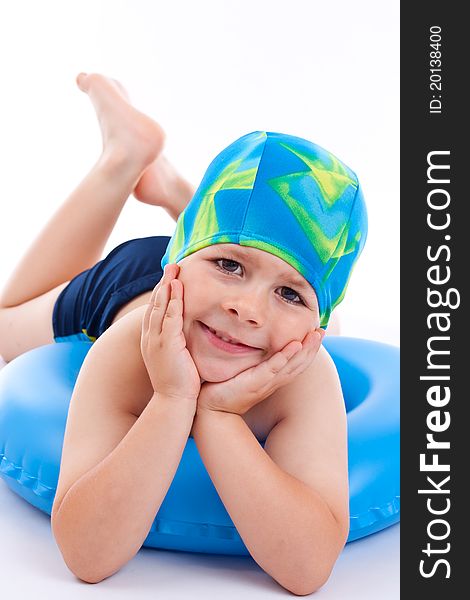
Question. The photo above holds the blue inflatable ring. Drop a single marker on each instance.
(35, 392)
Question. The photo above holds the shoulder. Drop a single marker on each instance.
(116, 355)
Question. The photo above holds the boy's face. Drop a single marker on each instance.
(251, 295)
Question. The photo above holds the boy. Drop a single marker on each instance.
(209, 352)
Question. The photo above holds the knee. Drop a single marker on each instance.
(23, 328)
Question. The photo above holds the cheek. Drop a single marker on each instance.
(196, 304)
(288, 328)
(194, 294)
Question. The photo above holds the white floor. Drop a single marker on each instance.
(31, 563)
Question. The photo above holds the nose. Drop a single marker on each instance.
(247, 306)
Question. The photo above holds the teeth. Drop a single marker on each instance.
(221, 338)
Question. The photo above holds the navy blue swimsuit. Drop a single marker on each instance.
(86, 307)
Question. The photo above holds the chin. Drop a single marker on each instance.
(215, 373)
(215, 367)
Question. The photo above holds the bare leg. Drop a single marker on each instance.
(163, 186)
(74, 238)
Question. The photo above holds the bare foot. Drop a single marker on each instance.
(125, 130)
(161, 185)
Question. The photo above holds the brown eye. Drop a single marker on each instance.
(227, 267)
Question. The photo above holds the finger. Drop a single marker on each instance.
(149, 309)
(310, 346)
(303, 359)
(160, 308)
(173, 318)
(258, 382)
(291, 357)
(268, 369)
(152, 299)
(312, 341)
(266, 377)
(169, 272)
(294, 348)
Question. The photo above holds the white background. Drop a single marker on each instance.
(209, 72)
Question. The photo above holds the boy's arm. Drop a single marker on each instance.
(116, 468)
(290, 501)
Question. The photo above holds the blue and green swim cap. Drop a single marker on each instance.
(284, 195)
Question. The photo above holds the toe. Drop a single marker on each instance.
(81, 77)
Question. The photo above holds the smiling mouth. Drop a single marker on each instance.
(224, 343)
(226, 339)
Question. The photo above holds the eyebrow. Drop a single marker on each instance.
(302, 283)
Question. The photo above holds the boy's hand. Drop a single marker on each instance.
(163, 345)
(238, 394)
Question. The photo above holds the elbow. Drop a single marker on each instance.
(96, 577)
(85, 575)
(89, 575)
(306, 586)
(87, 579)
(77, 569)
(306, 579)
(76, 563)
(314, 576)
(90, 578)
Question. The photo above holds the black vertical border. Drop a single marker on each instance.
(423, 132)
